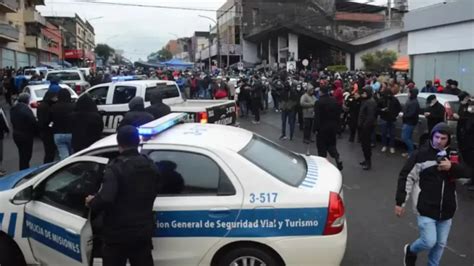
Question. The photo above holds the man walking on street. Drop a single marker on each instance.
(131, 184)
(326, 124)
(256, 94)
(389, 108)
(24, 129)
(289, 99)
(434, 112)
(429, 176)
(410, 120)
(367, 121)
(354, 103)
(307, 102)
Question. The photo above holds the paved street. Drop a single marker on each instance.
(376, 236)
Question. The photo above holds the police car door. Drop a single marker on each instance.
(56, 221)
(118, 98)
(200, 194)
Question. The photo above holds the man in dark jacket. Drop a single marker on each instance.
(289, 99)
(43, 114)
(87, 123)
(353, 103)
(434, 112)
(367, 121)
(137, 116)
(452, 87)
(410, 120)
(157, 108)
(131, 184)
(4, 129)
(429, 176)
(326, 123)
(62, 126)
(389, 108)
(256, 94)
(24, 129)
(465, 131)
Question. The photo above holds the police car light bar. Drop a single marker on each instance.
(157, 126)
(127, 78)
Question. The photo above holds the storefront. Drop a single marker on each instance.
(80, 58)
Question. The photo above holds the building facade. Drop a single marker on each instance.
(78, 39)
(21, 39)
(443, 47)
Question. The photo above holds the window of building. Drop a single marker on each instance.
(8, 58)
(22, 60)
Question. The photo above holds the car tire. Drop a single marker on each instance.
(240, 254)
(10, 253)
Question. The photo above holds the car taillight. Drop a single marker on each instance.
(34, 104)
(78, 89)
(202, 117)
(449, 111)
(335, 221)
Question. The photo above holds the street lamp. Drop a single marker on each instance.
(218, 42)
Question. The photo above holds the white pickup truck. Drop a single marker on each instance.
(112, 100)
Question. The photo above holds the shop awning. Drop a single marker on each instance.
(402, 63)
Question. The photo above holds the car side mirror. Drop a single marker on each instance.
(23, 197)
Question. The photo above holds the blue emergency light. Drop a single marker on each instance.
(157, 126)
(126, 78)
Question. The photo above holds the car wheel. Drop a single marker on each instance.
(248, 256)
(10, 253)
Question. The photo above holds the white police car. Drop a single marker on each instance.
(37, 90)
(231, 197)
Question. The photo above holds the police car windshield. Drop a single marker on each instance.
(287, 166)
(30, 72)
(65, 76)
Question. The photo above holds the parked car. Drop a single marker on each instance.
(421, 134)
(74, 78)
(38, 90)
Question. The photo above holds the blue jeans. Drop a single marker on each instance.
(388, 128)
(407, 134)
(63, 144)
(433, 237)
(291, 117)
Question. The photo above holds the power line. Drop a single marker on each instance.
(139, 5)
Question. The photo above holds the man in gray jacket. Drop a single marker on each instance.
(307, 104)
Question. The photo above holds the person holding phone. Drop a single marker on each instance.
(429, 177)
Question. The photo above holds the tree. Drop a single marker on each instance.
(381, 60)
(104, 51)
(161, 55)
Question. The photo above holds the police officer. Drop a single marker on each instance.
(353, 103)
(131, 184)
(464, 132)
(157, 108)
(367, 121)
(326, 123)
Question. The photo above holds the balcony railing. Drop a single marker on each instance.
(9, 6)
(38, 43)
(9, 33)
(33, 17)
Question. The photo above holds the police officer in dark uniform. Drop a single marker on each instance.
(326, 124)
(353, 103)
(367, 122)
(137, 116)
(130, 186)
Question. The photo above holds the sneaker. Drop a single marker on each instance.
(283, 137)
(405, 155)
(409, 258)
(392, 150)
(255, 122)
(384, 149)
(367, 166)
(363, 163)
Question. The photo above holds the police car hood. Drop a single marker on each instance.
(9, 181)
(321, 175)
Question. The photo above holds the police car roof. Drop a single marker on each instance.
(45, 86)
(193, 134)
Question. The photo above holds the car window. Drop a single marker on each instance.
(166, 91)
(276, 160)
(30, 72)
(67, 188)
(99, 95)
(402, 99)
(422, 103)
(64, 76)
(27, 90)
(123, 94)
(178, 170)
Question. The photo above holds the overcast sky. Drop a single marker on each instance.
(139, 30)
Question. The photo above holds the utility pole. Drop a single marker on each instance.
(218, 46)
(389, 7)
(210, 44)
(241, 34)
